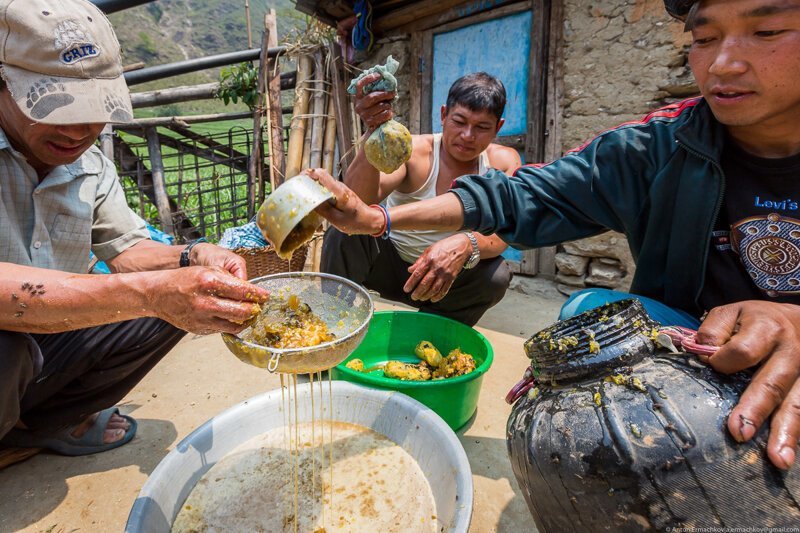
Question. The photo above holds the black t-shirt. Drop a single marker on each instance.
(755, 247)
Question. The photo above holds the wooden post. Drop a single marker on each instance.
(277, 154)
(247, 16)
(255, 180)
(342, 108)
(297, 129)
(159, 185)
(318, 121)
(107, 141)
(130, 162)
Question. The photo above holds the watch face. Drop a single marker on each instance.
(473, 260)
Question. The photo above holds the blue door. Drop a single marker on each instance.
(500, 47)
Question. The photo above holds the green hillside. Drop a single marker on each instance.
(165, 31)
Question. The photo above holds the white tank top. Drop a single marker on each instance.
(410, 244)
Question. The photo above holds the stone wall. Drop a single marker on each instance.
(622, 59)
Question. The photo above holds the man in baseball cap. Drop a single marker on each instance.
(73, 344)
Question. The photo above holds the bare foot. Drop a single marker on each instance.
(115, 429)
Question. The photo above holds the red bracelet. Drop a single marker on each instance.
(385, 220)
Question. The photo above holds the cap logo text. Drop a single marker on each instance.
(79, 53)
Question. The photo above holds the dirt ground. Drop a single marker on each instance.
(200, 378)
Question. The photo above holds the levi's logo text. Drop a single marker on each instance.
(782, 205)
(79, 52)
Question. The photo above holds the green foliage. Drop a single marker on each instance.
(239, 82)
(146, 47)
(155, 10)
(169, 110)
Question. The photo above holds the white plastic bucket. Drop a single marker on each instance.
(407, 422)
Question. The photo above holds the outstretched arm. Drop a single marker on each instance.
(197, 299)
(148, 255)
(352, 216)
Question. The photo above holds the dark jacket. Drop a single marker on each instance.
(658, 180)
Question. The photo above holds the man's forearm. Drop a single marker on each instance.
(37, 300)
(444, 213)
(146, 256)
(362, 178)
(490, 245)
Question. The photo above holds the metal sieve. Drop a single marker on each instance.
(344, 306)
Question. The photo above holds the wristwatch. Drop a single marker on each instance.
(475, 256)
(184, 261)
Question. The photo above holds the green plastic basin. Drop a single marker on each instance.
(393, 335)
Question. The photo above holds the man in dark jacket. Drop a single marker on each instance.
(706, 192)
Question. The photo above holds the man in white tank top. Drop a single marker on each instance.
(455, 274)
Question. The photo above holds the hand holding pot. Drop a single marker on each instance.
(349, 213)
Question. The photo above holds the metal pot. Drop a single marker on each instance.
(287, 218)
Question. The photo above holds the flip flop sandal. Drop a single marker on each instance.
(64, 443)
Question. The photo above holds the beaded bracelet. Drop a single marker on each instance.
(387, 222)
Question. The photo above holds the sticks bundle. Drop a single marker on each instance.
(313, 135)
(297, 129)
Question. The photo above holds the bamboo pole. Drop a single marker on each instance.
(318, 120)
(185, 120)
(172, 95)
(205, 91)
(297, 129)
(324, 141)
(329, 146)
(181, 121)
(306, 161)
(249, 30)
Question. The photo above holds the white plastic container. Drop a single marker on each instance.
(410, 424)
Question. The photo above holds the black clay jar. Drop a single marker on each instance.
(619, 436)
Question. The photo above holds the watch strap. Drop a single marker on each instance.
(475, 256)
(184, 262)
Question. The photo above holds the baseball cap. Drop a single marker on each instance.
(61, 62)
